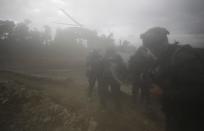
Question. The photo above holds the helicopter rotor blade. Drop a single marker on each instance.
(70, 17)
(66, 24)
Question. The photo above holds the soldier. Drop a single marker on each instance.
(102, 85)
(114, 70)
(178, 78)
(93, 69)
(138, 66)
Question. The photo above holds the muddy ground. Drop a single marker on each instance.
(56, 100)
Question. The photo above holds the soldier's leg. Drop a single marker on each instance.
(172, 122)
(103, 94)
(135, 93)
(146, 98)
(172, 114)
(142, 95)
(92, 81)
(116, 94)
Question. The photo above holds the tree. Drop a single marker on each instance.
(6, 27)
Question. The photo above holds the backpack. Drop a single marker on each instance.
(181, 73)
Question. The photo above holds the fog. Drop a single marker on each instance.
(101, 65)
(125, 19)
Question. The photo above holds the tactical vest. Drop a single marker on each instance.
(180, 73)
(182, 61)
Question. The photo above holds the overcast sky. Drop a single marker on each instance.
(127, 19)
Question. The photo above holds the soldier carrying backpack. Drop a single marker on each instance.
(178, 76)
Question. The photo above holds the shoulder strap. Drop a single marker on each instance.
(168, 55)
(190, 50)
(178, 50)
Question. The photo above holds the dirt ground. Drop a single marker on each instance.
(68, 87)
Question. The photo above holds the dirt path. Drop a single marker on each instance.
(72, 94)
(128, 118)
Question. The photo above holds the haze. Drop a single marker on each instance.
(126, 19)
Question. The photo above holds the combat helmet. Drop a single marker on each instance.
(154, 37)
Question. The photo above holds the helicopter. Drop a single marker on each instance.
(89, 37)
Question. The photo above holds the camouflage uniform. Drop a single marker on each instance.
(93, 69)
(179, 73)
(138, 66)
(112, 75)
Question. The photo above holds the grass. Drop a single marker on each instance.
(70, 92)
